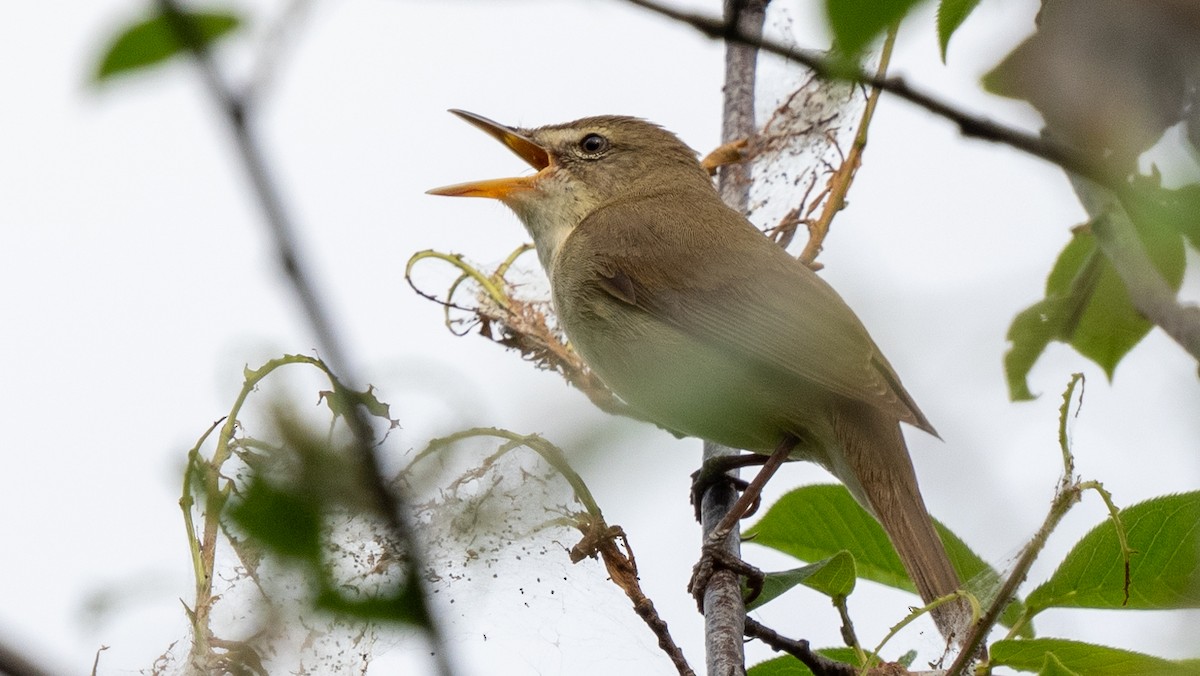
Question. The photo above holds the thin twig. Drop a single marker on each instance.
(389, 503)
(599, 538)
(722, 604)
(843, 178)
(816, 663)
(969, 125)
(1066, 495)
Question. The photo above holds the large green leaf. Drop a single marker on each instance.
(950, 15)
(152, 41)
(855, 23)
(1087, 306)
(813, 523)
(1164, 572)
(1084, 658)
(1054, 667)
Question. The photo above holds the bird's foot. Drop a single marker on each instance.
(714, 471)
(714, 557)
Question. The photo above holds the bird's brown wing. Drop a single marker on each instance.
(724, 283)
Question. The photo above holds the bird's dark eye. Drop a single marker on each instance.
(593, 144)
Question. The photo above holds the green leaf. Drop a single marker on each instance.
(790, 666)
(152, 41)
(950, 15)
(813, 523)
(833, 577)
(1054, 667)
(1164, 572)
(855, 23)
(1177, 209)
(1087, 306)
(1084, 658)
(287, 522)
(403, 605)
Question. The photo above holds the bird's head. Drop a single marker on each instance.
(581, 166)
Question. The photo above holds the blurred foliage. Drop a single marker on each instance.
(950, 15)
(1108, 76)
(150, 42)
(292, 503)
(856, 23)
(1087, 306)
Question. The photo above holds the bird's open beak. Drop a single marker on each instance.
(499, 188)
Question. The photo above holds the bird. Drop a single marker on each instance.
(706, 327)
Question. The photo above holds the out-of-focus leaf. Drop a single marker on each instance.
(833, 577)
(950, 15)
(1164, 572)
(813, 523)
(790, 666)
(1177, 209)
(288, 522)
(403, 605)
(1108, 76)
(1087, 306)
(152, 41)
(1083, 658)
(855, 23)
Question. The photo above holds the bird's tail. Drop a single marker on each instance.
(887, 486)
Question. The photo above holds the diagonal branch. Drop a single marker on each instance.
(823, 66)
(1148, 292)
(390, 503)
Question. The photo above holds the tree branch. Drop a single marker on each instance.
(1148, 292)
(816, 663)
(724, 610)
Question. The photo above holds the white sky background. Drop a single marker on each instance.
(136, 281)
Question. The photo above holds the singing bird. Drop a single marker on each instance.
(708, 328)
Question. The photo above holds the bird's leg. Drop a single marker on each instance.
(713, 552)
(713, 471)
